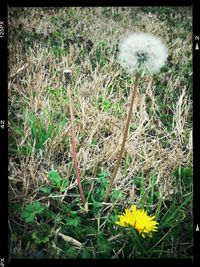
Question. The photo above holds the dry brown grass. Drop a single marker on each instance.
(151, 147)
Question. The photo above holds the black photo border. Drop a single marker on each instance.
(4, 132)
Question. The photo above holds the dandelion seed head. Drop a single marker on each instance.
(139, 220)
(142, 51)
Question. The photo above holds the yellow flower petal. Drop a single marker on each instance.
(139, 220)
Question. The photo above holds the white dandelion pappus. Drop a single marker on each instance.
(142, 51)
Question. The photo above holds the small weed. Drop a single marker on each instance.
(31, 211)
(57, 182)
(103, 104)
(42, 235)
(102, 183)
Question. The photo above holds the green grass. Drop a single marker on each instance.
(156, 171)
(94, 234)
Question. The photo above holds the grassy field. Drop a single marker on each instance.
(46, 216)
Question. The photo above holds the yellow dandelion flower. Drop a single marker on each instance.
(139, 220)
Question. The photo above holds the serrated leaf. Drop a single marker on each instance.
(39, 239)
(28, 217)
(45, 189)
(55, 178)
(31, 210)
(103, 178)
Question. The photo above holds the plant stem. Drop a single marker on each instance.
(73, 144)
(124, 140)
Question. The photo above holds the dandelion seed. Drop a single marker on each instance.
(139, 220)
(142, 51)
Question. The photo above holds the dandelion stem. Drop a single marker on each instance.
(73, 144)
(124, 139)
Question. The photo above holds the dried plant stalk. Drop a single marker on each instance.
(73, 143)
(70, 240)
(124, 140)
